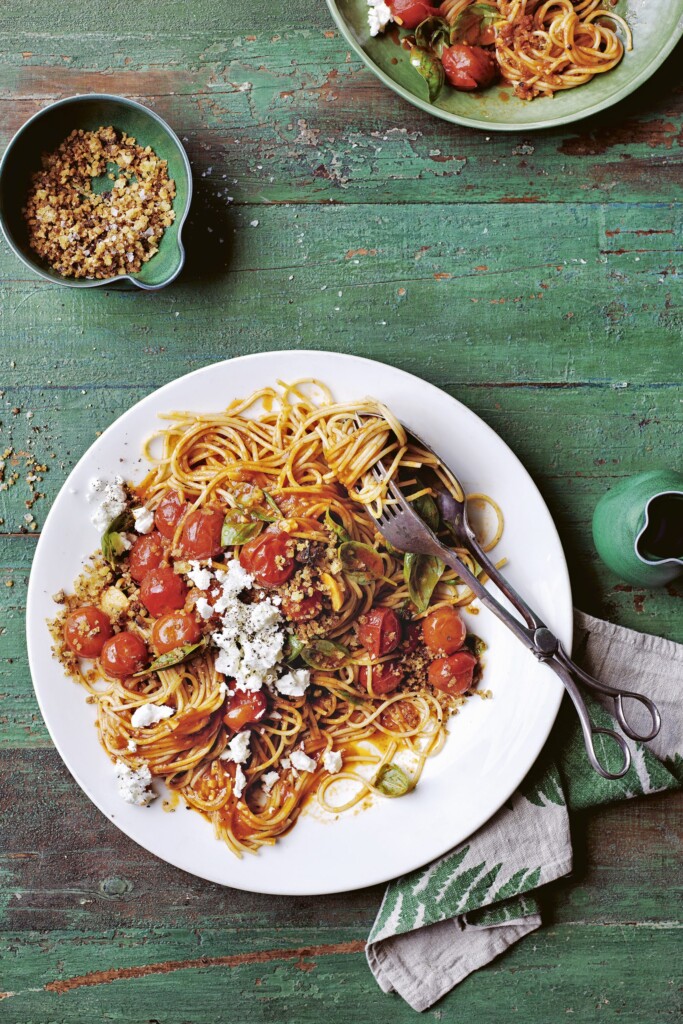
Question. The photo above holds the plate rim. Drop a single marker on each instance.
(380, 878)
(497, 126)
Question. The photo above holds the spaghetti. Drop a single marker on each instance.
(260, 642)
(538, 46)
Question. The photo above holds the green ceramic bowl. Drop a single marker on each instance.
(657, 25)
(45, 131)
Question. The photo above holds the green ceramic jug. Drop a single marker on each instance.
(638, 528)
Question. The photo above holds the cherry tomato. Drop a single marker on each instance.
(385, 677)
(243, 708)
(453, 674)
(162, 591)
(169, 512)
(443, 631)
(269, 558)
(86, 630)
(468, 67)
(412, 635)
(409, 13)
(123, 654)
(380, 631)
(201, 536)
(309, 607)
(174, 630)
(147, 553)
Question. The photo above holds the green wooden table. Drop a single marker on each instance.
(536, 278)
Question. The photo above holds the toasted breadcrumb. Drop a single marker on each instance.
(83, 233)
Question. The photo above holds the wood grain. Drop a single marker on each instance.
(536, 277)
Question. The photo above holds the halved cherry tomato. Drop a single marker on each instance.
(169, 512)
(243, 708)
(308, 607)
(443, 631)
(146, 554)
(162, 591)
(385, 677)
(123, 654)
(409, 13)
(269, 557)
(380, 631)
(412, 635)
(468, 67)
(86, 630)
(174, 630)
(201, 536)
(453, 674)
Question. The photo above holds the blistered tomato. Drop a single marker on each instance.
(379, 631)
(168, 514)
(146, 554)
(175, 630)
(123, 655)
(269, 558)
(454, 674)
(162, 591)
(244, 708)
(86, 630)
(386, 676)
(443, 631)
(201, 534)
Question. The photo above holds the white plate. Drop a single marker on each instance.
(492, 743)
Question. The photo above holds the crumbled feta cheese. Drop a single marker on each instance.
(203, 608)
(332, 761)
(200, 577)
(250, 639)
(134, 784)
(294, 683)
(223, 688)
(238, 748)
(132, 746)
(150, 714)
(379, 16)
(268, 781)
(113, 501)
(144, 519)
(301, 761)
(240, 782)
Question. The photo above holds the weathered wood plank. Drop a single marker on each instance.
(292, 116)
(587, 294)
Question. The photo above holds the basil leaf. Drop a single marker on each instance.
(335, 526)
(236, 530)
(112, 543)
(426, 508)
(475, 644)
(293, 647)
(430, 68)
(433, 34)
(174, 657)
(472, 22)
(273, 504)
(360, 562)
(325, 655)
(421, 574)
(392, 781)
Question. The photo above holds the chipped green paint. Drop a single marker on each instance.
(459, 257)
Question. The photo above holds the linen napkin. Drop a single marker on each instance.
(439, 923)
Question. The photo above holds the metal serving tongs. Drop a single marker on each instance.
(400, 524)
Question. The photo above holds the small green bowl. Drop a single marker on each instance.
(45, 131)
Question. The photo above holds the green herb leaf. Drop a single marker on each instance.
(475, 644)
(273, 504)
(426, 508)
(392, 781)
(325, 655)
(113, 543)
(293, 647)
(236, 530)
(421, 574)
(360, 562)
(429, 68)
(334, 525)
(433, 34)
(472, 24)
(172, 658)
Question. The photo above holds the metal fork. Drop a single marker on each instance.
(400, 524)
